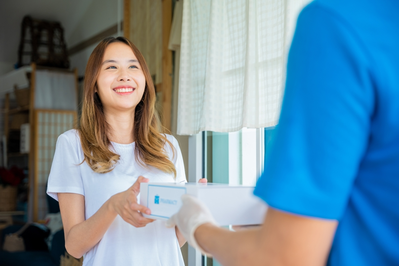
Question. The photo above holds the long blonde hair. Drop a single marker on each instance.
(93, 128)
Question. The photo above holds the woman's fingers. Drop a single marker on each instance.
(135, 217)
(137, 207)
(203, 180)
(137, 220)
(129, 209)
(136, 186)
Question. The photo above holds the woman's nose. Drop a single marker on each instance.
(124, 76)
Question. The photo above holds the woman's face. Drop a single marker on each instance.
(121, 81)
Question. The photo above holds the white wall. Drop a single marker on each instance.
(99, 16)
(6, 67)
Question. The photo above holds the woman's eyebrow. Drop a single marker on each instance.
(114, 61)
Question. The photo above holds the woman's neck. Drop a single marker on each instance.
(121, 126)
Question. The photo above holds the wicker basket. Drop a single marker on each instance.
(68, 260)
(22, 96)
(17, 120)
(8, 198)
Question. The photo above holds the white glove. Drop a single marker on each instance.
(191, 215)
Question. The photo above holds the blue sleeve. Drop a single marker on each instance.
(324, 125)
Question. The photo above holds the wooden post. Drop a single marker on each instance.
(32, 171)
(6, 120)
(126, 19)
(166, 64)
(75, 72)
(35, 154)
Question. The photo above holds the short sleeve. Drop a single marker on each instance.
(65, 175)
(177, 160)
(324, 125)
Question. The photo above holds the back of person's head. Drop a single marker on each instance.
(94, 129)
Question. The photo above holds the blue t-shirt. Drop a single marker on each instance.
(335, 152)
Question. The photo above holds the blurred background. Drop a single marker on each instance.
(218, 68)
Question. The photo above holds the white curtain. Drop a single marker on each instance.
(174, 45)
(55, 90)
(232, 63)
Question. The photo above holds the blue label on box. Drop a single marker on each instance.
(164, 201)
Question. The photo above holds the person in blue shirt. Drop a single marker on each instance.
(331, 180)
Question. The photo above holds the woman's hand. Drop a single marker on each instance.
(126, 206)
(203, 180)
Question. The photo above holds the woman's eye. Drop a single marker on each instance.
(133, 66)
(111, 67)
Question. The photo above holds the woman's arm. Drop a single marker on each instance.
(180, 237)
(81, 235)
(283, 239)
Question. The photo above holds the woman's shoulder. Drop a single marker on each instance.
(172, 140)
(70, 138)
(169, 137)
(72, 134)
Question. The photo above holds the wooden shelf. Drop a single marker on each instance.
(8, 213)
(16, 154)
(18, 110)
(29, 160)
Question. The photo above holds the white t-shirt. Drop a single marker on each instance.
(122, 244)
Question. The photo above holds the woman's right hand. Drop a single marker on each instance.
(126, 206)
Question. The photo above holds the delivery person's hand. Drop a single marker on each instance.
(126, 206)
(191, 215)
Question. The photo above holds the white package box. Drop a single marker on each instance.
(229, 205)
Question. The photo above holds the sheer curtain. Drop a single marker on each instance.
(232, 63)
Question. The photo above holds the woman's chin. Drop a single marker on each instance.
(121, 108)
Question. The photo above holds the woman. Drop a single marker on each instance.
(97, 169)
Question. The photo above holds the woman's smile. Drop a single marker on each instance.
(124, 90)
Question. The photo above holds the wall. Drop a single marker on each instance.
(99, 16)
(12, 13)
(81, 19)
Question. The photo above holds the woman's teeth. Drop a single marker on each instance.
(124, 90)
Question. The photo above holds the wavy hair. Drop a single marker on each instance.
(93, 128)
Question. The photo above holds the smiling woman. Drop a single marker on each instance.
(97, 169)
(115, 66)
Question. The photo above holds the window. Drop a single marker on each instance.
(235, 158)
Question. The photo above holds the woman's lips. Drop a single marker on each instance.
(124, 90)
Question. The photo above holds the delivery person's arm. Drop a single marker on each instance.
(283, 238)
